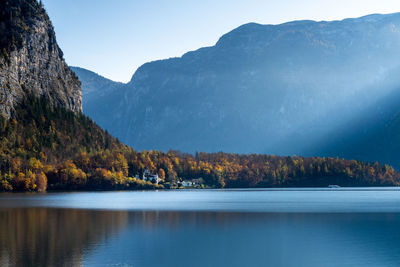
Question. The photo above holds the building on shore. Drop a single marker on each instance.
(190, 183)
(147, 176)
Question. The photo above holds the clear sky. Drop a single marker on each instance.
(115, 37)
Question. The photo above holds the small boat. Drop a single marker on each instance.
(334, 186)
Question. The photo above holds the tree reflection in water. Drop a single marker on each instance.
(76, 237)
(53, 237)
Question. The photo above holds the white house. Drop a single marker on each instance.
(147, 176)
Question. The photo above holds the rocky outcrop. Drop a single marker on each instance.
(31, 61)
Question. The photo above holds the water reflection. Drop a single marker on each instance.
(257, 239)
(53, 237)
(68, 237)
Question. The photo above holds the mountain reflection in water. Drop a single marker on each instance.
(71, 237)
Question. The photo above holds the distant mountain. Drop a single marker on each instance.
(274, 89)
(101, 96)
(31, 61)
(95, 85)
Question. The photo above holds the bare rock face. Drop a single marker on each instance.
(31, 61)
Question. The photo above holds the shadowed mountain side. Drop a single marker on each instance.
(271, 89)
(374, 135)
(100, 96)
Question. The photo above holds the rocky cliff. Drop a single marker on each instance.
(31, 61)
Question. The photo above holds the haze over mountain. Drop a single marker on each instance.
(99, 95)
(276, 89)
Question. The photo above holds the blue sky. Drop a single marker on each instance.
(113, 38)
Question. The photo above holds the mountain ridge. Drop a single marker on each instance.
(260, 89)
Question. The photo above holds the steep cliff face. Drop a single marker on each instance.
(31, 61)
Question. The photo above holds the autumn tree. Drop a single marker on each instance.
(161, 174)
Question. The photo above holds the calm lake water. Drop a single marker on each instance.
(307, 227)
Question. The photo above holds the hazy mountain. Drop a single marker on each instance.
(31, 61)
(100, 95)
(262, 88)
(372, 135)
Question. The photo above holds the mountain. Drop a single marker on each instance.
(95, 85)
(46, 141)
(372, 135)
(31, 61)
(273, 89)
(100, 95)
(41, 124)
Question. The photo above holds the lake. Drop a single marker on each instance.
(272, 227)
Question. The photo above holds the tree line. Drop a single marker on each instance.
(47, 147)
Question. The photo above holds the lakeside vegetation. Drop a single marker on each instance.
(45, 147)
